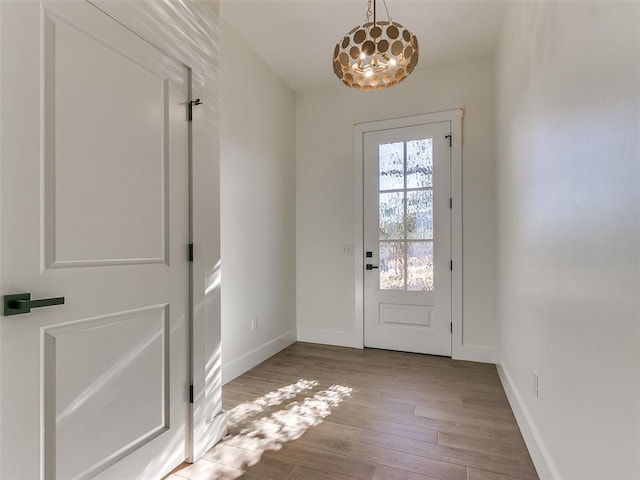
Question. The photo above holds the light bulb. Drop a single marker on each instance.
(393, 62)
(368, 73)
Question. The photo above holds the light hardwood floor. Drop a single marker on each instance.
(316, 412)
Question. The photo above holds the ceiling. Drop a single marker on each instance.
(296, 37)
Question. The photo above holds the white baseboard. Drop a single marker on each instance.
(234, 368)
(219, 426)
(539, 454)
(475, 354)
(354, 340)
(328, 337)
(216, 430)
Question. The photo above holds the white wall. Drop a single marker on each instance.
(325, 197)
(257, 148)
(568, 110)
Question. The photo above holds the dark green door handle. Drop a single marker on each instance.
(22, 303)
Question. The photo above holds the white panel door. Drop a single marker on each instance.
(95, 209)
(407, 239)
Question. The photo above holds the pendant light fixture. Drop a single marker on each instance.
(375, 55)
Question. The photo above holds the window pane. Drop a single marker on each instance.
(420, 215)
(391, 266)
(391, 165)
(391, 216)
(420, 163)
(420, 269)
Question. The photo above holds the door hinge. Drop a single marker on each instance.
(450, 139)
(190, 105)
(190, 393)
(450, 203)
(451, 265)
(190, 254)
(451, 327)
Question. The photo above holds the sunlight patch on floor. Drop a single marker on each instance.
(256, 427)
(245, 410)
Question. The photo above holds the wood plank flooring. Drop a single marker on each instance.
(316, 412)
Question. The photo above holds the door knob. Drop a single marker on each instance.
(21, 303)
(371, 267)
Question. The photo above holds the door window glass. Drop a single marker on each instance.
(405, 213)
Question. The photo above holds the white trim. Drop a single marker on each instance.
(358, 234)
(474, 353)
(539, 454)
(455, 117)
(410, 121)
(457, 339)
(1, 179)
(194, 42)
(218, 425)
(237, 367)
(328, 337)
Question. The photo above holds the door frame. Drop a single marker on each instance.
(149, 21)
(455, 117)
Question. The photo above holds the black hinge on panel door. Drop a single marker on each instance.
(190, 254)
(450, 139)
(451, 265)
(190, 105)
(451, 327)
(190, 393)
(450, 203)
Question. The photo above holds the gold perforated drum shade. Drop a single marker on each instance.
(375, 56)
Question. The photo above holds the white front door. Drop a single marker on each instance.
(407, 238)
(95, 209)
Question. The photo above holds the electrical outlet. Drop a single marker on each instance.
(254, 324)
(348, 249)
(536, 384)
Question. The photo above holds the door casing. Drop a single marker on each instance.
(456, 118)
(193, 26)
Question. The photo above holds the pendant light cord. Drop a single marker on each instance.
(374, 13)
(385, 7)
